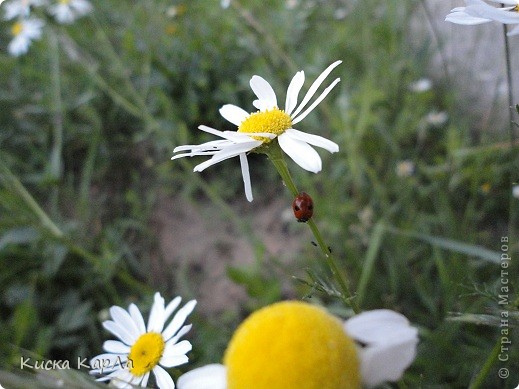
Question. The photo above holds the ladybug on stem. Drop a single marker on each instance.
(303, 207)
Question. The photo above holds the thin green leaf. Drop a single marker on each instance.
(369, 260)
(452, 245)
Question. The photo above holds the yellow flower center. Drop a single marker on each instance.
(291, 345)
(145, 353)
(17, 28)
(274, 121)
(65, 2)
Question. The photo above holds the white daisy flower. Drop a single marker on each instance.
(20, 8)
(142, 349)
(420, 86)
(515, 191)
(478, 12)
(66, 11)
(268, 123)
(298, 345)
(405, 168)
(24, 32)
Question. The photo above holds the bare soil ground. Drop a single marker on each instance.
(199, 243)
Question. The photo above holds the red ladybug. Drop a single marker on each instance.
(303, 207)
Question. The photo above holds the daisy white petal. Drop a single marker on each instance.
(244, 163)
(301, 153)
(170, 308)
(144, 382)
(229, 135)
(164, 380)
(68, 11)
(118, 379)
(176, 349)
(107, 362)
(484, 10)
(174, 360)
(382, 364)
(212, 376)
(374, 326)
(390, 344)
(18, 8)
(463, 18)
(507, 2)
(179, 319)
(196, 154)
(230, 151)
(112, 375)
(314, 140)
(119, 331)
(478, 11)
(233, 114)
(266, 95)
(175, 354)
(116, 347)
(211, 146)
(137, 318)
(297, 119)
(184, 330)
(122, 380)
(316, 84)
(293, 91)
(156, 320)
(123, 318)
(213, 131)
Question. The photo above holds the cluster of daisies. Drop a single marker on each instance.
(26, 28)
(289, 344)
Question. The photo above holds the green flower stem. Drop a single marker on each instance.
(276, 156)
(12, 183)
(57, 119)
(511, 132)
(509, 84)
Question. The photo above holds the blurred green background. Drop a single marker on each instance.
(415, 205)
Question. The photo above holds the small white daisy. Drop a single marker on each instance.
(142, 349)
(268, 123)
(66, 11)
(297, 345)
(20, 8)
(478, 12)
(420, 86)
(405, 168)
(24, 32)
(515, 191)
